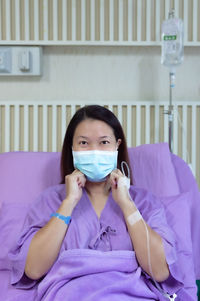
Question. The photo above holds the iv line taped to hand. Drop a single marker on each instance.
(136, 216)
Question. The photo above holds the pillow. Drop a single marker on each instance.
(12, 216)
(23, 175)
(153, 170)
(187, 182)
(178, 217)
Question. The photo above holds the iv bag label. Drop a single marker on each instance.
(170, 47)
(170, 37)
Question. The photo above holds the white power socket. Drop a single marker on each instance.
(23, 60)
(5, 60)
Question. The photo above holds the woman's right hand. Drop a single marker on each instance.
(50, 237)
(74, 184)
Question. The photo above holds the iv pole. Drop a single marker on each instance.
(172, 66)
(169, 112)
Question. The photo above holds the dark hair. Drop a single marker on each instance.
(95, 112)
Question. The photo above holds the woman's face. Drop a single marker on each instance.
(91, 134)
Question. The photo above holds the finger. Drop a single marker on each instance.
(81, 179)
(116, 178)
(75, 177)
(113, 180)
(81, 182)
(115, 175)
(118, 171)
(77, 172)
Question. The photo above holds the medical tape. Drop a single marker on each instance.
(134, 218)
(124, 181)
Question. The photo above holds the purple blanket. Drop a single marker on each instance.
(94, 275)
(91, 275)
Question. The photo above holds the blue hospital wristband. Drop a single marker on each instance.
(66, 219)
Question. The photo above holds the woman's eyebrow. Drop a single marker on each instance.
(103, 137)
(82, 137)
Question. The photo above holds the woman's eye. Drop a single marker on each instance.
(83, 142)
(105, 142)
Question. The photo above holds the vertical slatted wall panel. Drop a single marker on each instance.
(105, 22)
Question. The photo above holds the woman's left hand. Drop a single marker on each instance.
(119, 192)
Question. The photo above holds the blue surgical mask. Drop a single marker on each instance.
(95, 164)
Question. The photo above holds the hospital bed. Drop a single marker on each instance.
(23, 175)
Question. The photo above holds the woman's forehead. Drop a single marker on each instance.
(93, 127)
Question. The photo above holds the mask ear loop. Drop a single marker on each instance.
(126, 181)
(127, 168)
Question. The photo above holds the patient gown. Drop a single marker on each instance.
(97, 261)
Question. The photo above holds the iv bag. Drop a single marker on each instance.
(172, 41)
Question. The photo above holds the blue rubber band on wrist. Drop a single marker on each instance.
(66, 219)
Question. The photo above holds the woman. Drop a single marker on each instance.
(93, 210)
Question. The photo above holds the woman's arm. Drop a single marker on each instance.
(138, 236)
(46, 243)
(138, 233)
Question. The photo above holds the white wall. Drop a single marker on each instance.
(105, 73)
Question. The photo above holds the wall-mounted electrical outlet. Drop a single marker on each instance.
(23, 60)
(5, 59)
